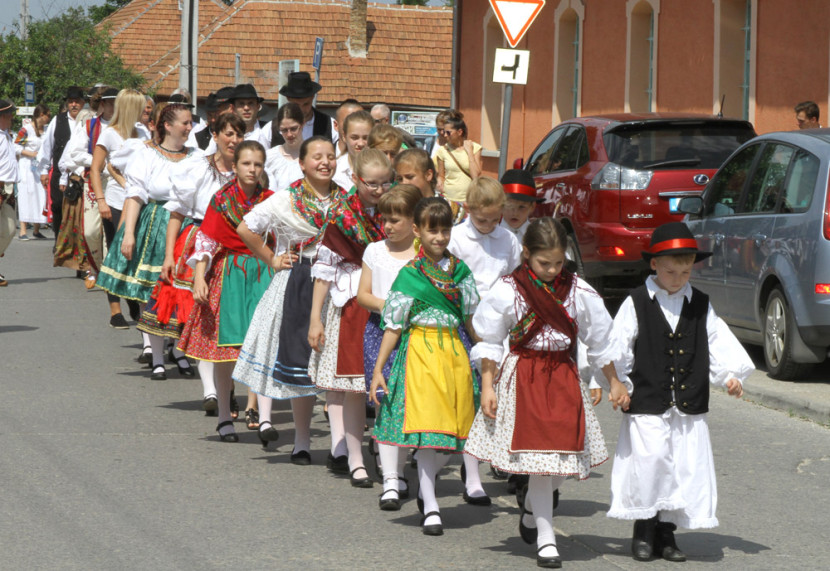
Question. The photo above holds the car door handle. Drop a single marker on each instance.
(717, 238)
(759, 239)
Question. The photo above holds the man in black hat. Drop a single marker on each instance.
(55, 138)
(247, 104)
(8, 176)
(225, 103)
(300, 89)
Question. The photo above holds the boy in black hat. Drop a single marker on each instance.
(55, 138)
(520, 191)
(300, 89)
(673, 346)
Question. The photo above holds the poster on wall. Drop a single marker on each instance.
(419, 124)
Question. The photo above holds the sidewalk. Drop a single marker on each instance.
(808, 398)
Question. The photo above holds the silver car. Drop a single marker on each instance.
(765, 216)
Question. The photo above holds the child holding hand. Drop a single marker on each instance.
(536, 417)
(674, 346)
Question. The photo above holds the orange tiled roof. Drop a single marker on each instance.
(408, 59)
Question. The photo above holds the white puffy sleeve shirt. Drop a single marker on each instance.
(276, 214)
(502, 308)
(343, 276)
(193, 184)
(397, 310)
(727, 357)
(146, 170)
(489, 256)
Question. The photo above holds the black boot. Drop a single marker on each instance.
(642, 544)
(664, 544)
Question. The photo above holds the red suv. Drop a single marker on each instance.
(612, 179)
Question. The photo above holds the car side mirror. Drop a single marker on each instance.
(519, 163)
(690, 205)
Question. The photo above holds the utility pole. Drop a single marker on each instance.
(189, 46)
(24, 20)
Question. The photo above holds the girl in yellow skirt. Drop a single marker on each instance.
(431, 398)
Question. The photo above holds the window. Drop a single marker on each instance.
(567, 57)
(768, 179)
(571, 150)
(540, 159)
(733, 57)
(801, 184)
(640, 57)
(725, 190)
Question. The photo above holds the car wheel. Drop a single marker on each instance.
(574, 259)
(778, 327)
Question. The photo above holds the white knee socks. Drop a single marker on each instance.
(473, 483)
(354, 421)
(334, 400)
(302, 409)
(264, 405)
(539, 499)
(428, 466)
(206, 374)
(157, 345)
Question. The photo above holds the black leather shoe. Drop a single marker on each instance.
(547, 562)
(229, 437)
(529, 534)
(360, 482)
(339, 465)
(184, 367)
(390, 501)
(301, 458)
(434, 529)
(158, 374)
(477, 501)
(642, 543)
(210, 405)
(664, 543)
(498, 474)
(267, 435)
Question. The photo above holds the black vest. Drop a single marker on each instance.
(203, 138)
(671, 368)
(321, 126)
(61, 138)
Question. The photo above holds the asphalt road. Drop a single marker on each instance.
(104, 469)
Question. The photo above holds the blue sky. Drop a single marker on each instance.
(40, 9)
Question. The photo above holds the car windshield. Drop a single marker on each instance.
(674, 145)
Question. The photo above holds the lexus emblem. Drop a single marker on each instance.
(701, 179)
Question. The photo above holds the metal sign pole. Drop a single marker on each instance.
(505, 127)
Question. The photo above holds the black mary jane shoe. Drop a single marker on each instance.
(267, 435)
(664, 544)
(642, 542)
(477, 500)
(301, 458)
(158, 374)
(339, 465)
(547, 562)
(498, 474)
(360, 482)
(529, 534)
(146, 357)
(390, 501)
(403, 494)
(185, 370)
(229, 437)
(434, 529)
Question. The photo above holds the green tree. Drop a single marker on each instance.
(61, 51)
(98, 13)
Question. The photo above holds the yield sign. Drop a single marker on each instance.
(516, 16)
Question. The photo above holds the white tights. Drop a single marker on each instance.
(539, 500)
(208, 382)
(392, 462)
(302, 409)
(429, 463)
(347, 418)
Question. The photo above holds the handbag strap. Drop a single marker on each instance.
(455, 160)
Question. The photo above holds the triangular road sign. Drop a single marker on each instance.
(516, 16)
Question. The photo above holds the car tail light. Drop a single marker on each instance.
(615, 177)
(609, 251)
(823, 288)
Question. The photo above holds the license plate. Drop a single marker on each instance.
(674, 203)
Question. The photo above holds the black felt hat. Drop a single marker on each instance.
(246, 91)
(519, 185)
(224, 95)
(110, 93)
(210, 103)
(75, 92)
(673, 239)
(300, 85)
